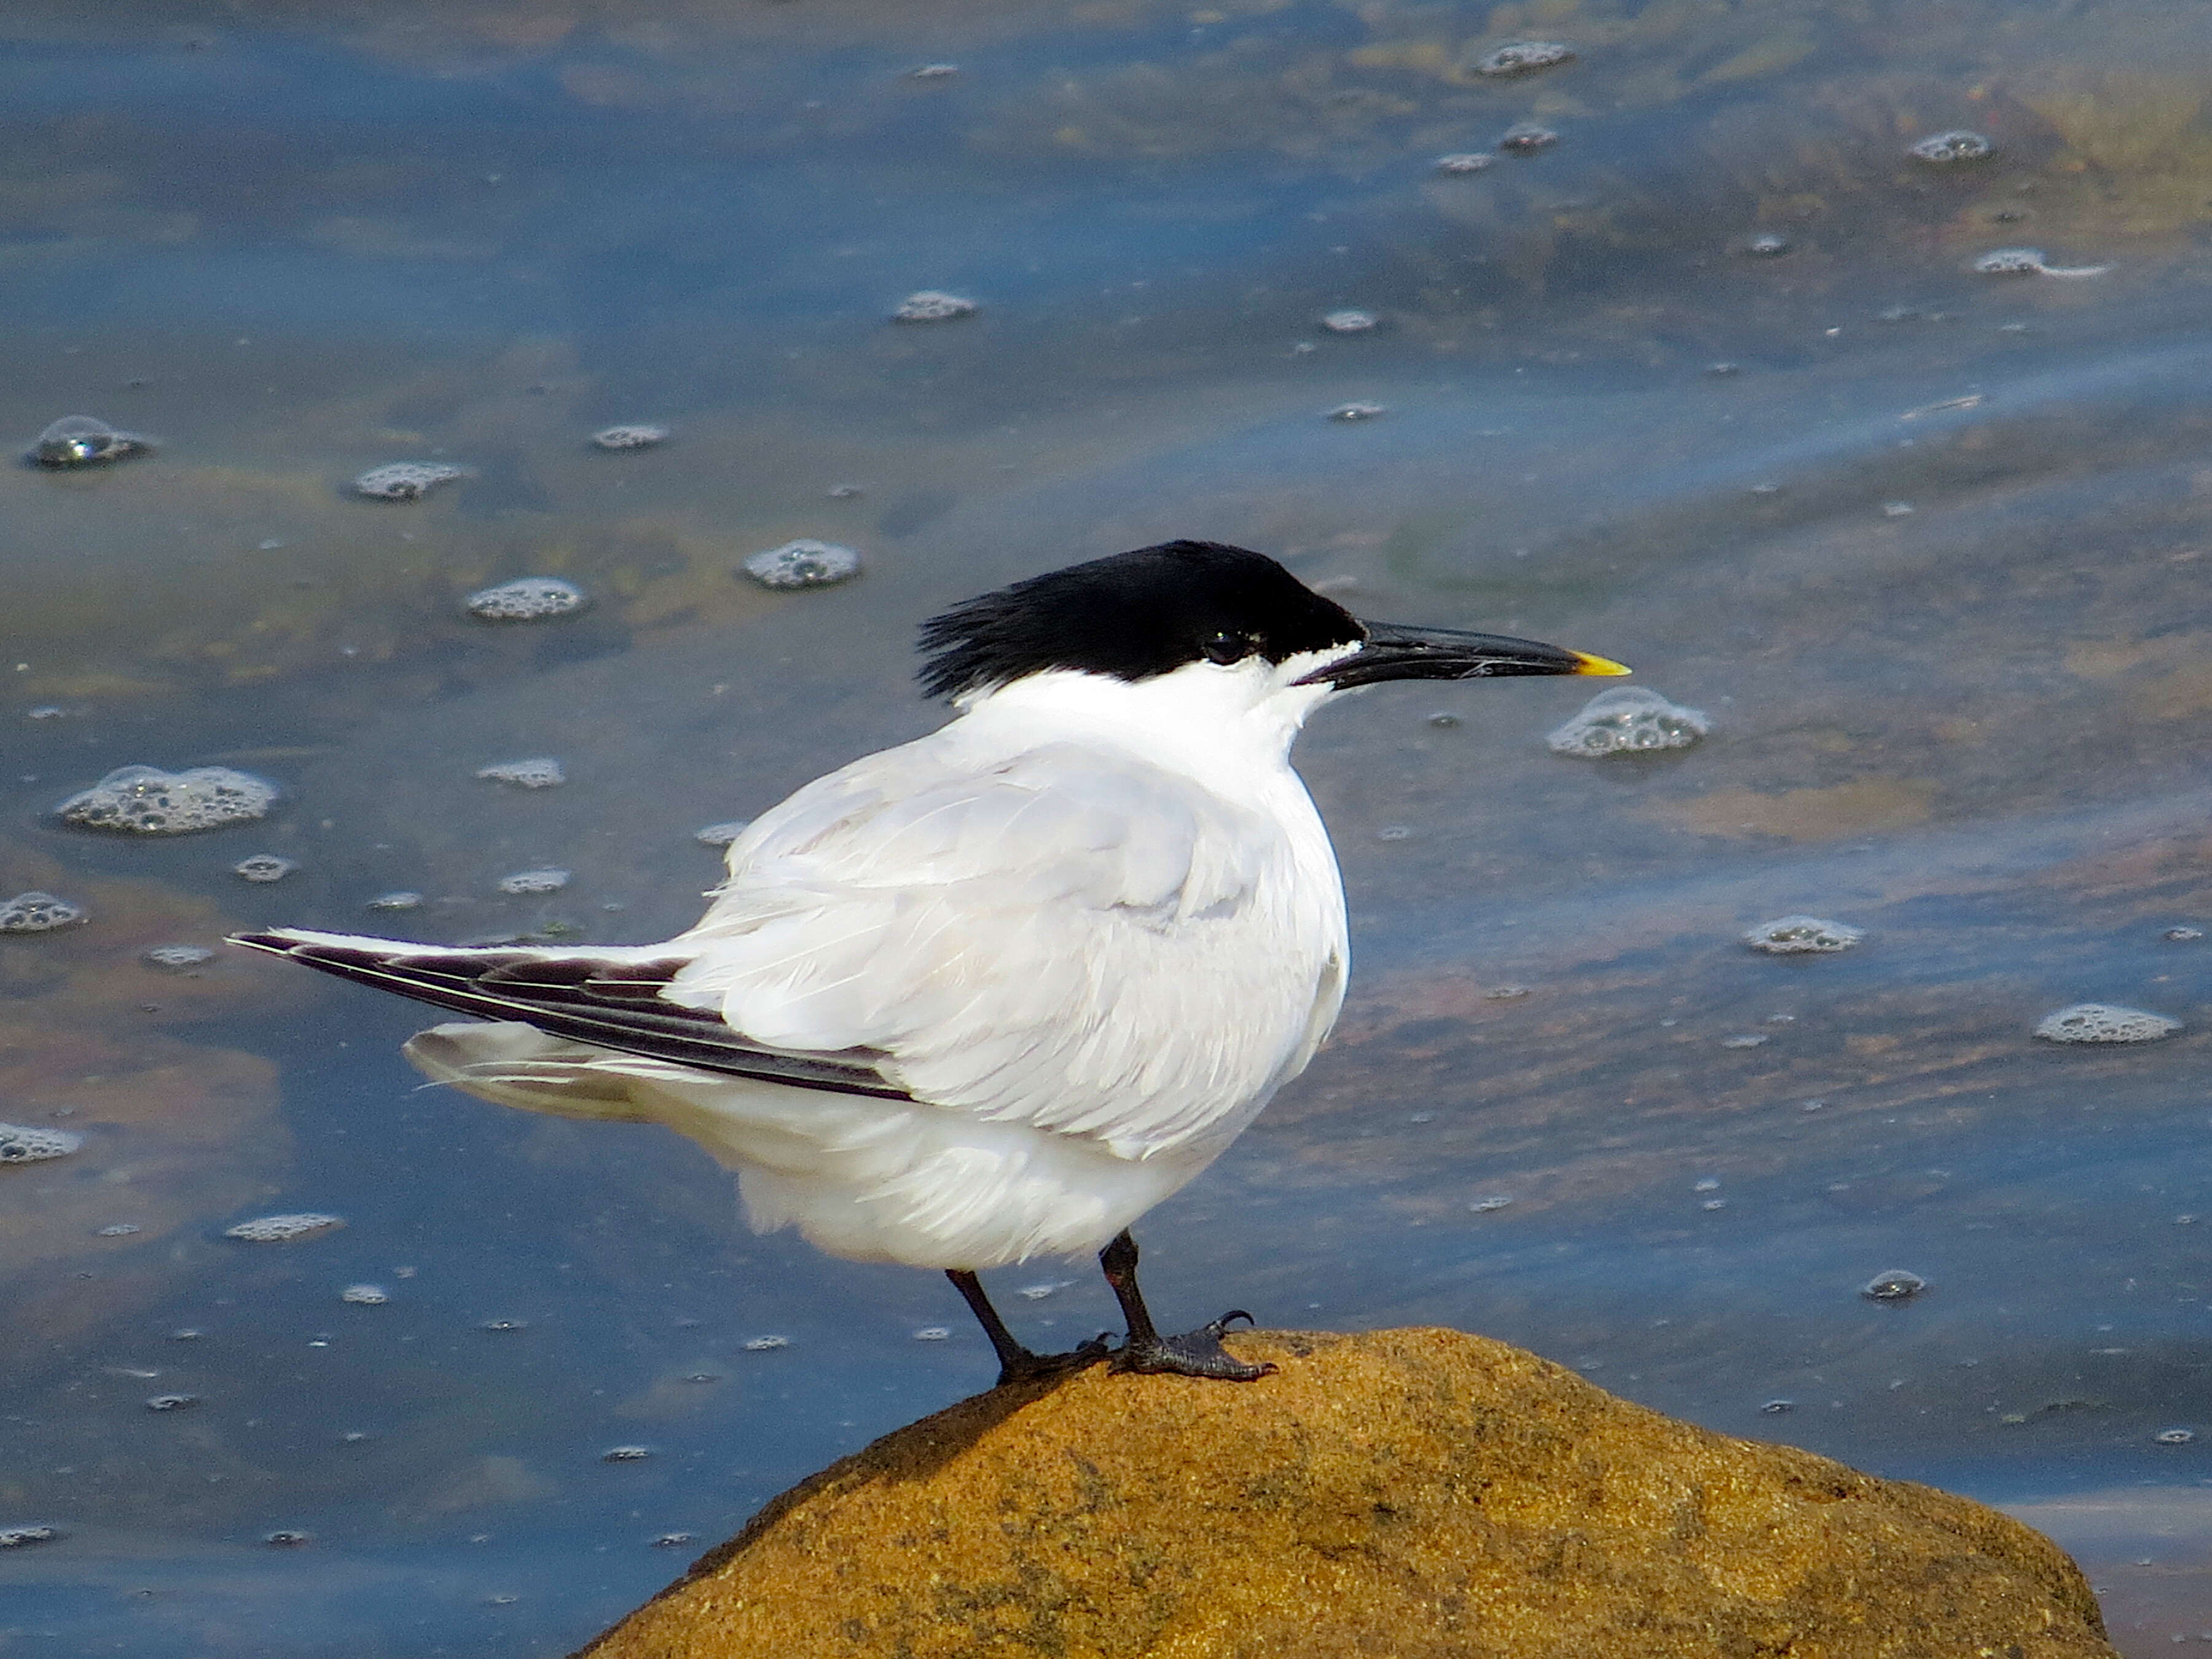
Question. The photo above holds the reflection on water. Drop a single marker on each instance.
(1710, 384)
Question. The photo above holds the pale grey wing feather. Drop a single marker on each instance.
(1064, 939)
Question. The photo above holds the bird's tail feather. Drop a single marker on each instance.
(512, 1064)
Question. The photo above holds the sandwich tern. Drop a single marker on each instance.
(996, 992)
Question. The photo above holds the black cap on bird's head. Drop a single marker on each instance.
(1135, 615)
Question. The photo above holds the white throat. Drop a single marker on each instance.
(1212, 722)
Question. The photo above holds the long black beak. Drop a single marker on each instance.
(1393, 650)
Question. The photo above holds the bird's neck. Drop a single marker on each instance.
(1231, 730)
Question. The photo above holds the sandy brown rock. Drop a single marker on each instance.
(1406, 1494)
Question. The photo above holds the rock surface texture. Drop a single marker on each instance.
(1406, 1494)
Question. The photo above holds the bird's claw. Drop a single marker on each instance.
(1194, 1353)
(1030, 1367)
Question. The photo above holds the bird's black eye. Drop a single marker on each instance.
(1226, 647)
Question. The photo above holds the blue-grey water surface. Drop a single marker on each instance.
(1930, 546)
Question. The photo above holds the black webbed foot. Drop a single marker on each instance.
(1027, 1367)
(1194, 1353)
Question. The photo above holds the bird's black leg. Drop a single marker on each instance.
(1194, 1353)
(1015, 1362)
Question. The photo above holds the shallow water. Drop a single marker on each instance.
(1931, 555)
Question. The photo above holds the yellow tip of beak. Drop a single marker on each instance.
(1586, 664)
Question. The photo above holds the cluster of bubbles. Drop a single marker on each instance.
(406, 481)
(1948, 148)
(144, 800)
(20, 1145)
(2029, 262)
(1357, 411)
(803, 563)
(540, 772)
(1348, 321)
(285, 1229)
(632, 435)
(1523, 57)
(1631, 719)
(172, 1402)
(1792, 936)
(263, 867)
(39, 913)
(526, 598)
(179, 959)
(365, 1296)
(84, 441)
(1767, 244)
(524, 883)
(1893, 1285)
(2103, 1022)
(1526, 138)
(400, 899)
(625, 1454)
(1464, 161)
(930, 305)
(16, 1538)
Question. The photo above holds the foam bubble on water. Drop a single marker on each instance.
(526, 598)
(2174, 1436)
(625, 1454)
(523, 882)
(1948, 148)
(1747, 1040)
(933, 71)
(933, 1333)
(402, 900)
(1523, 57)
(84, 441)
(722, 834)
(803, 563)
(117, 1229)
(2182, 935)
(144, 800)
(1897, 509)
(365, 1296)
(406, 481)
(766, 1344)
(1631, 720)
(1357, 411)
(39, 913)
(2104, 1022)
(1767, 245)
(931, 305)
(2029, 262)
(16, 1538)
(263, 867)
(284, 1229)
(1489, 1205)
(287, 1538)
(540, 772)
(1460, 162)
(1893, 1285)
(503, 1326)
(669, 1540)
(22, 1145)
(1350, 321)
(172, 1402)
(1526, 138)
(178, 958)
(1794, 936)
(638, 434)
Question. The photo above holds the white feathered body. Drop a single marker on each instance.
(1089, 926)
